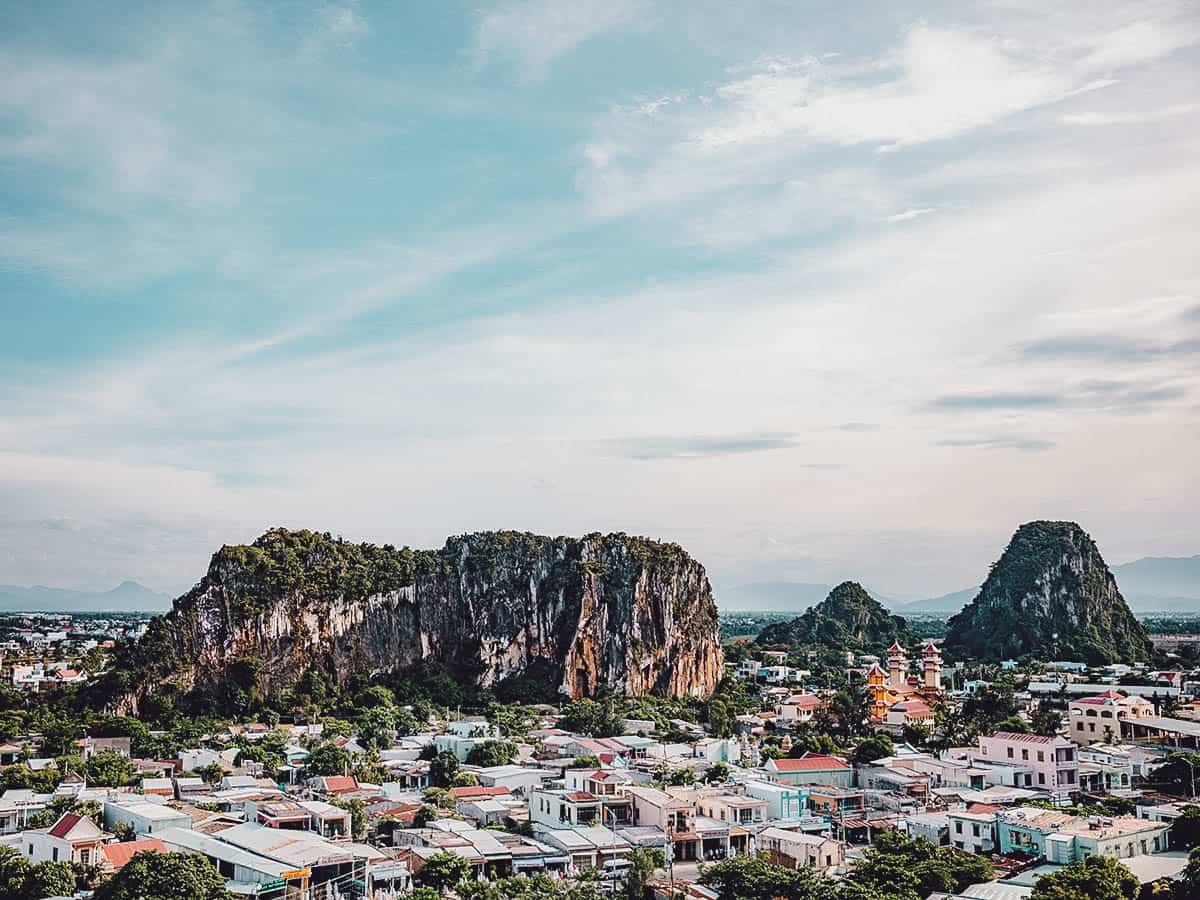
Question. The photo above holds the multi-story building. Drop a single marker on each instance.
(784, 802)
(1062, 838)
(1049, 763)
(974, 829)
(737, 809)
(800, 708)
(1097, 719)
(556, 808)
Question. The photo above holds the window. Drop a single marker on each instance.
(54, 854)
(1024, 754)
(975, 829)
(1092, 727)
(1041, 756)
(1041, 777)
(957, 827)
(85, 855)
(1010, 753)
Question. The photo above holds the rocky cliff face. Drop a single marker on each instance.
(614, 611)
(848, 619)
(1049, 596)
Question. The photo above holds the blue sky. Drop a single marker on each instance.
(819, 290)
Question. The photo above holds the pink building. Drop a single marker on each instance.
(1040, 763)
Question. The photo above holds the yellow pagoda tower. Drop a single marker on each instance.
(877, 689)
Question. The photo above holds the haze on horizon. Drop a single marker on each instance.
(819, 291)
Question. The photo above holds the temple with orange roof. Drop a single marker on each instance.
(895, 686)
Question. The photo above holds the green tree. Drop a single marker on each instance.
(358, 816)
(425, 815)
(849, 709)
(442, 871)
(14, 872)
(328, 759)
(439, 797)
(898, 863)
(1047, 720)
(492, 753)
(51, 879)
(442, 769)
(212, 773)
(642, 865)
(718, 773)
(165, 876)
(1188, 887)
(377, 727)
(591, 717)
(1015, 724)
(753, 878)
(587, 761)
(108, 769)
(1185, 830)
(1178, 774)
(873, 748)
(720, 723)
(1096, 878)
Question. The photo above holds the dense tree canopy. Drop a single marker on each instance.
(442, 871)
(165, 876)
(1096, 878)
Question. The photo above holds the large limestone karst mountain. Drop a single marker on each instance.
(577, 614)
(1049, 596)
(848, 619)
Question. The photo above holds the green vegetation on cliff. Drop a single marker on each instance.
(1049, 596)
(848, 619)
(296, 612)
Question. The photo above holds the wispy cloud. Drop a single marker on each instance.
(858, 426)
(1108, 348)
(910, 214)
(996, 401)
(337, 25)
(699, 446)
(535, 33)
(1000, 442)
(1137, 117)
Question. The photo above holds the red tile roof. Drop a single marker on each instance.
(121, 853)
(337, 784)
(581, 796)
(804, 701)
(64, 825)
(812, 763)
(983, 808)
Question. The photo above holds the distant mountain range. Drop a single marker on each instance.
(1153, 584)
(128, 596)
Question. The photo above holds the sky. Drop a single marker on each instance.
(817, 290)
